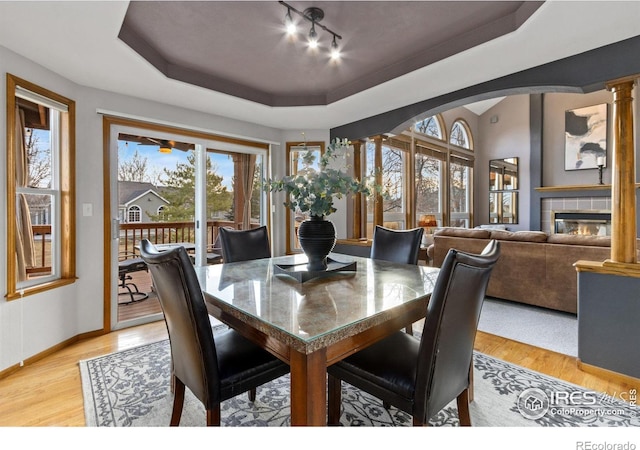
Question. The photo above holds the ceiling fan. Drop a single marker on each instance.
(165, 146)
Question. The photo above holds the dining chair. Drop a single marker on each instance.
(244, 245)
(401, 246)
(214, 367)
(214, 251)
(422, 376)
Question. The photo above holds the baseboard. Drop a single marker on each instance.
(28, 361)
(606, 373)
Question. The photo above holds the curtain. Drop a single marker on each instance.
(246, 172)
(25, 247)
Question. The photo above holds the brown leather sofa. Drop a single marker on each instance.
(534, 268)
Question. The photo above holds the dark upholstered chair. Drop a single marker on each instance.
(214, 368)
(400, 246)
(244, 245)
(421, 376)
(214, 251)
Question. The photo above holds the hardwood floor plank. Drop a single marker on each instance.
(49, 393)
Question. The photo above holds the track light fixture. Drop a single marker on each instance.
(288, 21)
(313, 15)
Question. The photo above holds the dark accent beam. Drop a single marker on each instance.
(585, 72)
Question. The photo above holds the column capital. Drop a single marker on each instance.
(631, 80)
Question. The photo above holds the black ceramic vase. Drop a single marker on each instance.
(317, 237)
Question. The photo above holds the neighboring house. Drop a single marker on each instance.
(138, 201)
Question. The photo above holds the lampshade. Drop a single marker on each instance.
(165, 148)
(427, 220)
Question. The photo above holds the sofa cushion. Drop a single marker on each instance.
(463, 232)
(576, 239)
(524, 236)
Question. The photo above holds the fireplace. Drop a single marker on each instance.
(587, 223)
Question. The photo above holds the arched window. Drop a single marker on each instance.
(460, 135)
(430, 126)
(160, 212)
(134, 214)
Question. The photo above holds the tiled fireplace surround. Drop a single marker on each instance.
(570, 204)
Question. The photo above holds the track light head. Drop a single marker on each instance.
(289, 24)
(313, 36)
(335, 51)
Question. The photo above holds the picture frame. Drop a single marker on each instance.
(586, 137)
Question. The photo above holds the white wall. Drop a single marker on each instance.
(36, 323)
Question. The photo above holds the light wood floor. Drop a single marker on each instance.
(48, 392)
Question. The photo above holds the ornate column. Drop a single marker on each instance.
(623, 189)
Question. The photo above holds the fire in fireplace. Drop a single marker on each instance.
(587, 223)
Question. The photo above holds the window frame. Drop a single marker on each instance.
(466, 130)
(437, 118)
(414, 143)
(134, 209)
(65, 253)
(377, 216)
(292, 246)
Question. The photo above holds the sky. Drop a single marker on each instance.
(157, 161)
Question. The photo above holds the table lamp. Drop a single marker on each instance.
(428, 222)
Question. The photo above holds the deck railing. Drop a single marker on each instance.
(130, 236)
(166, 233)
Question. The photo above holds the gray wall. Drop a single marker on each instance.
(508, 137)
(555, 105)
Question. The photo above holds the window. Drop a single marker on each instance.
(460, 135)
(295, 150)
(428, 186)
(426, 180)
(134, 214)
(460, 193)
(40, 194)
(430, 126)
(392, 169)
(460, 170)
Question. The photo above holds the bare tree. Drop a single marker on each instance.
(135, 168)
(39, 160)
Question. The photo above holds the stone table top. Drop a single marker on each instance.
(314, 314)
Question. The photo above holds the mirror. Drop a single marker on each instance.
(503, 187)
(503, 174)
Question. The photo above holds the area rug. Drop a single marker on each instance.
(131, 389)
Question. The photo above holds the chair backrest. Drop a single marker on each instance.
(216, 244)
(193, 350)
(446, 346)
(244, 245)
(401, 246)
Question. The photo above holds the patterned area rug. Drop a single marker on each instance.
(131, 389)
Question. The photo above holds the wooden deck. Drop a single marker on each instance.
(148, 306)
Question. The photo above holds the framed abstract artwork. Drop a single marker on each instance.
(585, 137)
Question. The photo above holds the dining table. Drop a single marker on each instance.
(313, 324)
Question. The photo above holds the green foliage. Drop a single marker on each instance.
(314, 191)
(179, 191)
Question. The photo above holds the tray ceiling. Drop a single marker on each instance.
(240, 47)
